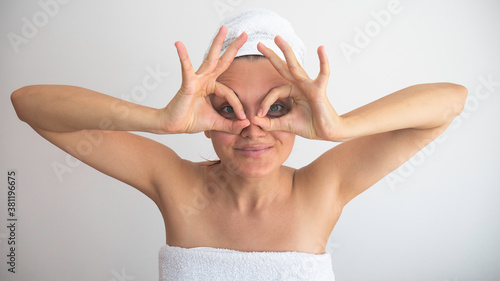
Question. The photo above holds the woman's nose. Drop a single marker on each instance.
(253, 131)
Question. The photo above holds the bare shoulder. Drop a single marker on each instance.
(318, 200)
(184, 201)
(318, 194)
(187, 190)
(319, 182)
(180, 179)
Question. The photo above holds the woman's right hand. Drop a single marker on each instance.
(191, 111)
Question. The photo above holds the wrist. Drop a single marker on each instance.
(157, 123)
(342, 131)
(144, 119)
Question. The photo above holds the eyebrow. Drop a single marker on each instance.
(239, 96)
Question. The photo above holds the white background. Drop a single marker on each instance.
(435, 218)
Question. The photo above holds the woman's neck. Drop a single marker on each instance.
(254, 195)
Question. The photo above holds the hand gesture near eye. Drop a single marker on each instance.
(190, 111)
(311, 115)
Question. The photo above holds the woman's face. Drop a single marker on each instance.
(254, 152)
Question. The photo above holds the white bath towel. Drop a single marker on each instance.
(205, 263)
(261, 25)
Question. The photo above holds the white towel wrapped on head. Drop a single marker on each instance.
(205, 263)
(261, 25)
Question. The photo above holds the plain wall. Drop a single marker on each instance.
(435, 218)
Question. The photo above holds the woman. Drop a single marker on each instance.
(246, 216)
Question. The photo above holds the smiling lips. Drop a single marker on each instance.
(254, 150)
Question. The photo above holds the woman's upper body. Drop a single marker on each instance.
(251, 109)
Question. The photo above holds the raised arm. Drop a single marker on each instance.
(378, 137)
(424, 106)
(381, 136)
(59, 108)
(93, 127)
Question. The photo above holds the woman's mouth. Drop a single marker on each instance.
(253, 151)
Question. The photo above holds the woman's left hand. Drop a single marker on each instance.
(311, 115)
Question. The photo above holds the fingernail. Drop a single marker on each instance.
(243, 114)
(260, 112)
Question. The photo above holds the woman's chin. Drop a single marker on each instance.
(252, 170)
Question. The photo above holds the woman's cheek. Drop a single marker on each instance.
(285, 138)
(222, 141)
(221, 137)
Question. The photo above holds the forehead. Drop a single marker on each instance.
(251, 78)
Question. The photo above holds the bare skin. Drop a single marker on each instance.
(252, 111)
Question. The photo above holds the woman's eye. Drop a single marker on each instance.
(227, 112)
(276, 110)
(275, 107)
(227, 109)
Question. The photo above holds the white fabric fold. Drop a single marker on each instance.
(261, 25)
(205, 263)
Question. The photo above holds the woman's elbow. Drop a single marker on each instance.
(459, 98)
(455, 96)
(19, 99)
